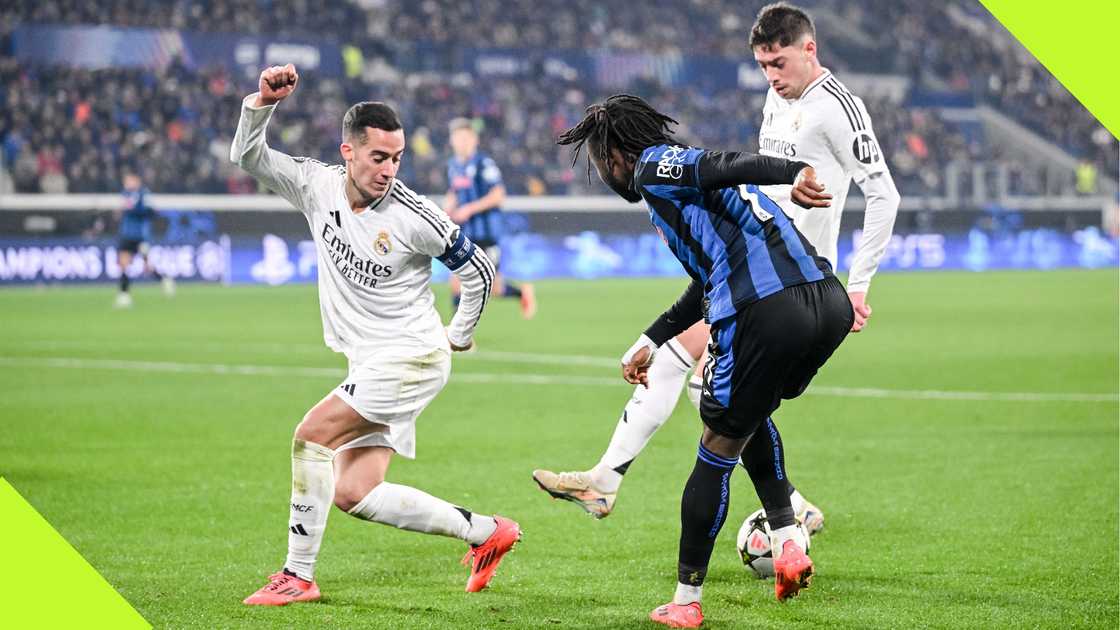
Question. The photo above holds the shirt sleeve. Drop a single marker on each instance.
(441, 239)
(878, 226)
(727, 169)
(853, 143)
(490, 173)
(686, 311)
(283, 174)
(852, 139)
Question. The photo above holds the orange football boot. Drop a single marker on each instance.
(487, 556)
(284, 588)
(792, 571)
(678, 615)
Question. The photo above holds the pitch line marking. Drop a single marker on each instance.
(530, 379)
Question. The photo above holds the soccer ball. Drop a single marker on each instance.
(753, 543)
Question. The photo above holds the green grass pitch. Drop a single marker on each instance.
(170, 473)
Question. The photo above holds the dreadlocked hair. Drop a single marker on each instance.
(622, 122)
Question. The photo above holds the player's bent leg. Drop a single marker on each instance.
(596, 490)
(328, 425)
(363, 462)
(765, 449)
(362, 493)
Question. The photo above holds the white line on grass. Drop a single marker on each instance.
(530, 379)
(496, 356)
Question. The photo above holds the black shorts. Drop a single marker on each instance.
(770, 351)
(132, 245)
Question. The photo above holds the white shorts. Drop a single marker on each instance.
(392, 389)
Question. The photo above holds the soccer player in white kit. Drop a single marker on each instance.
(809, 116)
(375, 240)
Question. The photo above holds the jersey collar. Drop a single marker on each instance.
(825, 74)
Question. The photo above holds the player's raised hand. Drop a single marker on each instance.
(860, 309)
(807, 192)
(276, 84)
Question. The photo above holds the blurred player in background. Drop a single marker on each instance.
(135, 236)
(808, 116)
(474, 201)
(375, 241)
(777, 313)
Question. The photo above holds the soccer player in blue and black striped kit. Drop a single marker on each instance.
(474, 198)
(775, 308)
(135, 234)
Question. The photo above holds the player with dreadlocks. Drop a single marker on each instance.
(631, 127)
(775, 309)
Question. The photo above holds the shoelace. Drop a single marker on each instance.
(575, 480)
(278, 580)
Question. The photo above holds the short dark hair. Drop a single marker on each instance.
(781, 24)
(369, 114)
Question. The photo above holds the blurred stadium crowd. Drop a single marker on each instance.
(66, 129)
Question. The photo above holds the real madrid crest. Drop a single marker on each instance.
(383, 245)
(796, 120)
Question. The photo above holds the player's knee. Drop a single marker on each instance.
(313, 428)
(348, 494)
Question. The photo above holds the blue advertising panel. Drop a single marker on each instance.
(272, 259)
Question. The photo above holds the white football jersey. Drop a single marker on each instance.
(829, 128)
(375, 265)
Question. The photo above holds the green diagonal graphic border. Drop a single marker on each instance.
(53, 586)
(1075, 42)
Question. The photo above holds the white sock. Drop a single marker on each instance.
(797, 501)
(778, 538)
(686, 594)
(647, 410)
(695, 388)
(418, 511)
(312, 495)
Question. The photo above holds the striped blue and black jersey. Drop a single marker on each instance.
(733, 240)
(471, 180)
(136, 220)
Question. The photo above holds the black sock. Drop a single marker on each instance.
(455, 300)
(157, 275)
(765, 461)
(704, 507)
(124, 282)
(511, 291)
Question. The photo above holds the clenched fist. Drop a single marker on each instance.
(276, 84)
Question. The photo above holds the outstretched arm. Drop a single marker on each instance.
(278, 171)
(727, 169)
